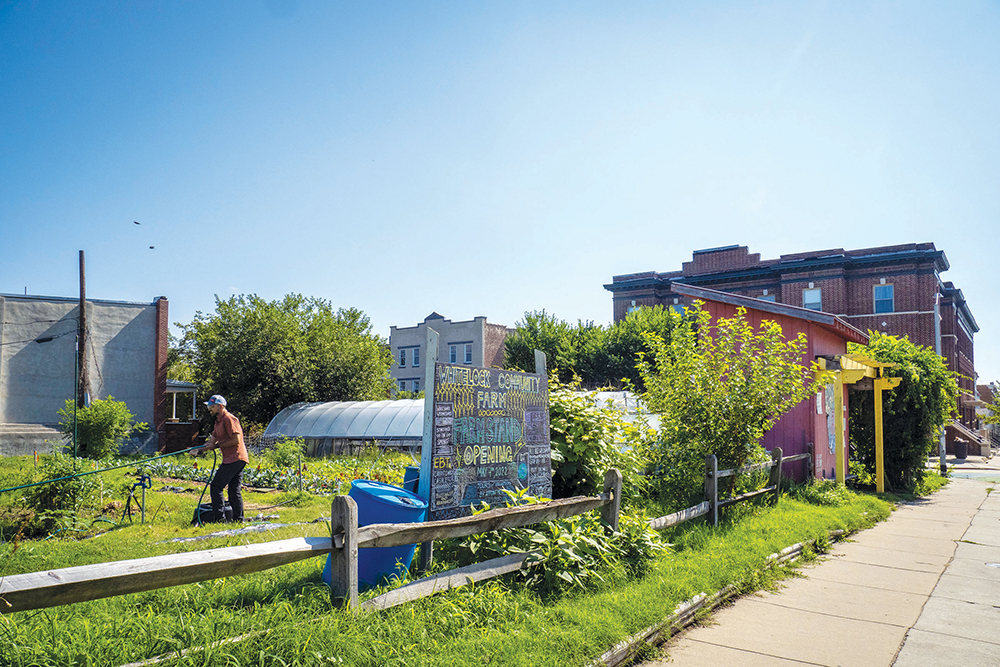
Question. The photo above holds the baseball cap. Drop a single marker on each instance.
(216, 400)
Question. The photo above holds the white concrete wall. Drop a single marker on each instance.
(36, 379)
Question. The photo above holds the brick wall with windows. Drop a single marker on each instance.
(908, 275)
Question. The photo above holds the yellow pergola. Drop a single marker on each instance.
(861, 371)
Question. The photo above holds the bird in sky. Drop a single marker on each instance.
(151, 247)
(136, 222)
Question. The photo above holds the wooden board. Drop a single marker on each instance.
(398, 534)
(447, 580)
(662, 522)
(38, 590)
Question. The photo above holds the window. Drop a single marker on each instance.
(416, 386)
(468, 353)
(402, 385)
(453, 354)
(402, 358)
(884, 301)
(812, 299)
(767, 297)
(416, 357)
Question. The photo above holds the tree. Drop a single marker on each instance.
(719, 389)
(591, 354)
(101, 427)
(264, 356)
(994, 417)
(177, 367)
(912, 414)
(541, 331)
(626, 341)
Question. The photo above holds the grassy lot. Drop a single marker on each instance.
(285, 617)
(100, 533)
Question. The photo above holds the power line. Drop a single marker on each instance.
(44, 339)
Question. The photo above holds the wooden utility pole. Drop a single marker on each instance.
(83, 388)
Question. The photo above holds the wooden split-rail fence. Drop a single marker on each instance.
(52, 588)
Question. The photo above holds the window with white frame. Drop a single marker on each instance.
(402, 358)
(884, 299)
(402, 385)
(453, 354)
(812, 299)
(468, 353)
(416, 356)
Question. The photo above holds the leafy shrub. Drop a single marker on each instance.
(285, 453)
(587, 440)
(101, 428)
(719, 387)
(912, 413)
(56, 502)
(566, 554)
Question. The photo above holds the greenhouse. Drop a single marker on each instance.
(349, 426)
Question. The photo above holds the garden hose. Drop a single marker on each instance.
(94, 472)
(215, 457)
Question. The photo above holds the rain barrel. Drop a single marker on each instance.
(382, 503)
(410, 477)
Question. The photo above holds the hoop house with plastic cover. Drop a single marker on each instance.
(347, 427)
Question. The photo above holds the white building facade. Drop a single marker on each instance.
(475, 342)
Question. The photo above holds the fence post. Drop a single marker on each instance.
(612, 485)
(344, 561)
(712, 488)
(775, 481)
(810, 462)
(426, 556)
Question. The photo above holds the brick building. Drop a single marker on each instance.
(891, 289)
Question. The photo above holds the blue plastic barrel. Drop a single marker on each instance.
(383, 503)
(410, 477)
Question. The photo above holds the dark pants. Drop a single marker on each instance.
(231, 475)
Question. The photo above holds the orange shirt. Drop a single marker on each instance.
(226, 426)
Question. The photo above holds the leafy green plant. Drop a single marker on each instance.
(101, 427)
(57, 502)
(285, 453)
(567, 554)
(827, 493)
(719, 387)
(588, 439)
(912, 413)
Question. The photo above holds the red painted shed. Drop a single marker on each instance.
(811, 421)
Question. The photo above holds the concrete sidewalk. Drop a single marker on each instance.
(922, 588)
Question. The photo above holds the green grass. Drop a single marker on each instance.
(177, 488)
(287, 615)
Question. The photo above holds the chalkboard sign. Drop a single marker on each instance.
(490, 432)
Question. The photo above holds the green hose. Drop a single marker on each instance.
(94, 472)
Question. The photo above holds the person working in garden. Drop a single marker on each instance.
(228, 437)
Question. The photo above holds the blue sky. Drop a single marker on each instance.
(486, 158)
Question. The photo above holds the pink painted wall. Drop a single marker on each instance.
(802, 424)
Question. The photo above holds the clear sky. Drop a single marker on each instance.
(476, 158)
